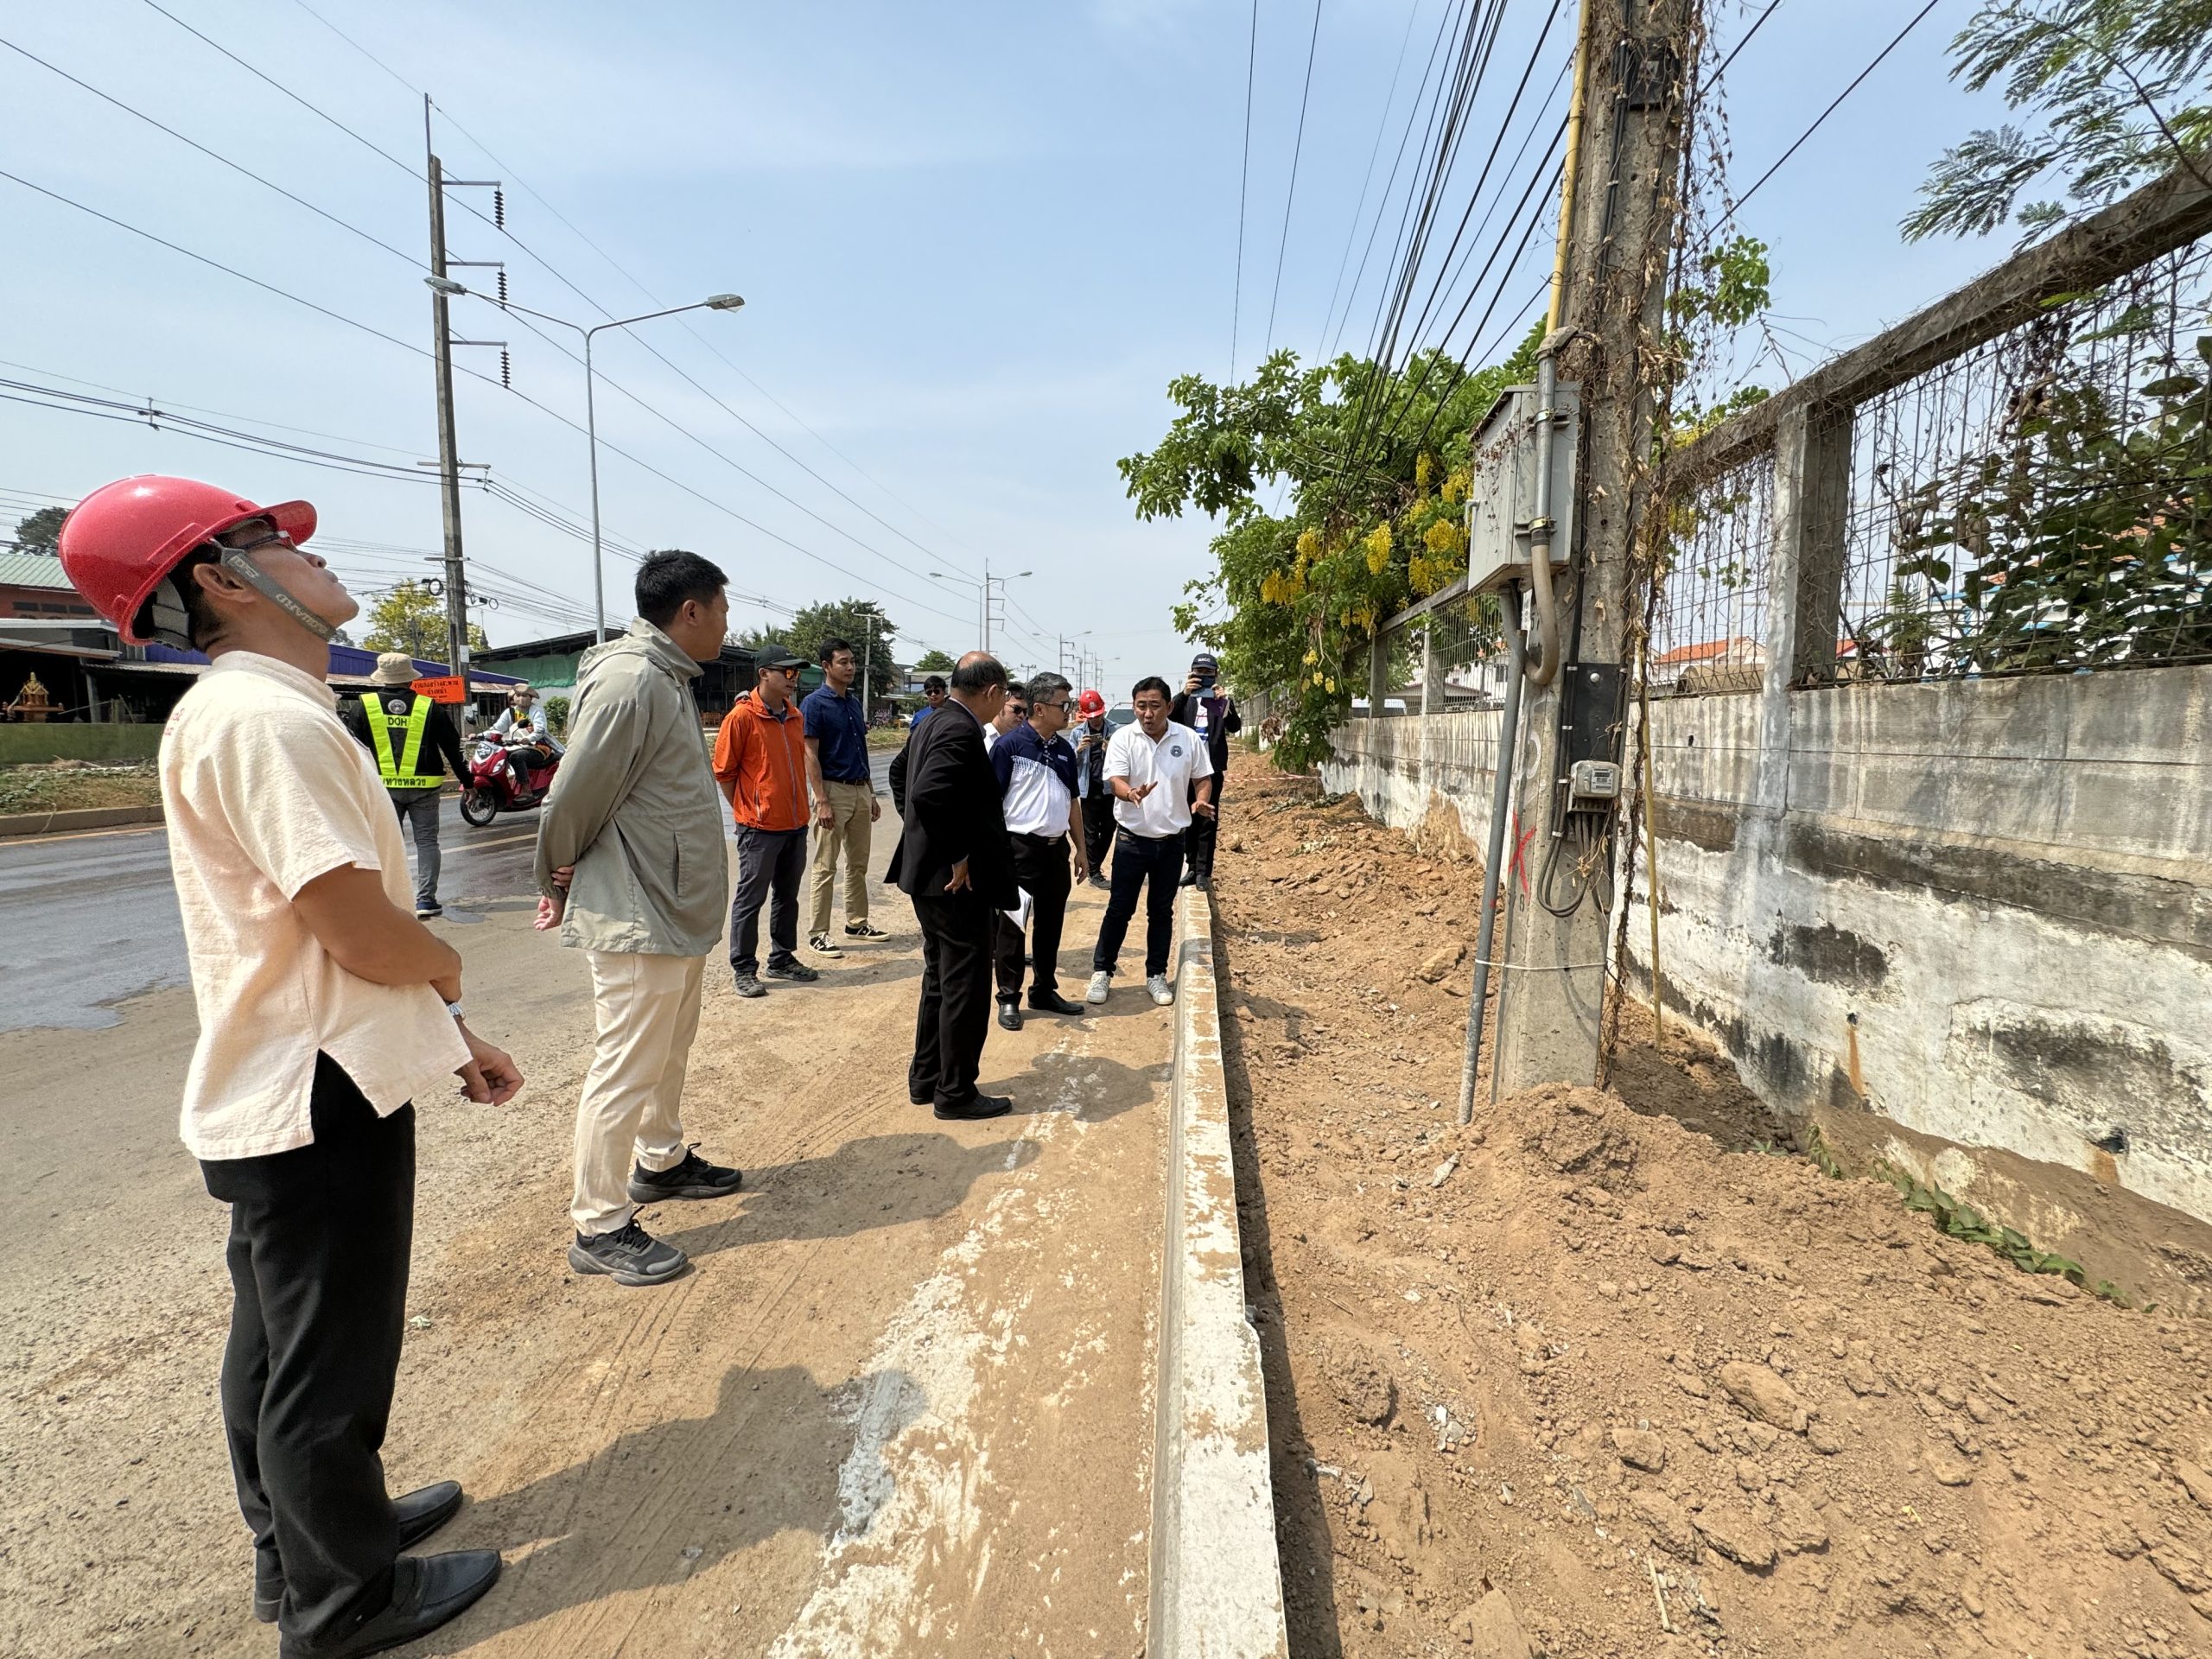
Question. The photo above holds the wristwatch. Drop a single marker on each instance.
(456, 1010)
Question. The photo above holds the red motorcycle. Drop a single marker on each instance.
(490, 789)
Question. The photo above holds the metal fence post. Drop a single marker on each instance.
(1378, 673)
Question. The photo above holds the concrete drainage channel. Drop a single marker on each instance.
(1216, 1582)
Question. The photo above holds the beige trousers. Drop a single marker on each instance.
(646, 1009)
(848, 833)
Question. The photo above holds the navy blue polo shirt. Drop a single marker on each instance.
(837, 724)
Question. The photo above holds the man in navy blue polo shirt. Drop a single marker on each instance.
(845, 802)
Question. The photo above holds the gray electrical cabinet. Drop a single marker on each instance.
(1502, 499)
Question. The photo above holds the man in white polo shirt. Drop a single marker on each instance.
(1150, 766)
(324, 1009)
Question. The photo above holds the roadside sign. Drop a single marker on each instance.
(443, 687)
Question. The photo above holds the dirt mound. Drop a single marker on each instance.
(1649, 1392)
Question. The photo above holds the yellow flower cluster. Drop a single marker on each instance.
(1282, 586)
(1309, 546)
(1455, 485)
(1378, 550)
(1423, 465)
(1445, 537)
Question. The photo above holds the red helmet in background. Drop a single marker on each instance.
(1090, 705)
(123, 540)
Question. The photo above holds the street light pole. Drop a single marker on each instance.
(446, 287)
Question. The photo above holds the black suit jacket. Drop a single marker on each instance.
(953, 811)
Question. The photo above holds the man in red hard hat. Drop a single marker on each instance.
(324, 1009)
(1089, 737)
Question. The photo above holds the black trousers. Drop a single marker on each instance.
(1137, 859)
(1097, 829)
(769, 865)
(955, 1014)
(1040, 864)
(318, 1255)
(1199, 839)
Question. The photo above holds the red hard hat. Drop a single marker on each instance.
(1090, 705)
(124, 537)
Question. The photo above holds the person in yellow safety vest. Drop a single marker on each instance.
(415, 745)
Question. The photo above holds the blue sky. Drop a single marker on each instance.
(977, 241)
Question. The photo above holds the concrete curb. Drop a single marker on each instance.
(83, 817)
(1216, 1582)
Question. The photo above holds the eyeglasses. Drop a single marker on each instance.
(1062, 704)
(272, 538)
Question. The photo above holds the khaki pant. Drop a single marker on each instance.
(848, 833)
(646, 1009)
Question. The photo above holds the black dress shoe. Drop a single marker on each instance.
(419, 1514)
(427, 1591)
(975, 1107)
(1052, 1002)
(1009, 1015)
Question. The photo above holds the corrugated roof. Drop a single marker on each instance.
(31, 570)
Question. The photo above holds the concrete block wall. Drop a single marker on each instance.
(1999, 892)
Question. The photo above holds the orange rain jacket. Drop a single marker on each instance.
(760, 763)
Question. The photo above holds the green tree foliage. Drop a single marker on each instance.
(40, 531)
(934, 662)
(1376, 467)
(2114, 92)
(411, 618)
(841, 619)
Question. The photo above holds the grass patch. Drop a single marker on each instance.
(71, 788)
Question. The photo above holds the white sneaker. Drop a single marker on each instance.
(1162, 992)
(1100, 982)
(823, 945)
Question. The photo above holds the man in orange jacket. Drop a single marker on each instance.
(760, 762)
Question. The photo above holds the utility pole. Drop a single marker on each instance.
(449, 464)
(867, 652)
(448, 452)
(1618, 226)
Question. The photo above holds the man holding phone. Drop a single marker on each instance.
(1213, 715)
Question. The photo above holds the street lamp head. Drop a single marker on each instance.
(725, 302)
(444, 285)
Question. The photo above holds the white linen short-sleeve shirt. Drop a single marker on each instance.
(264, 789)
(1179, 757)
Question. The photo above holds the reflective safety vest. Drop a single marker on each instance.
(400, 773)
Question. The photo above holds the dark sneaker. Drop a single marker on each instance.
(691, 1178)
(975, 1107)
(427, 1591)
(1010, 1014)
(1052, 1002)
(1204, 884)
(419, 1514)
(798, 972)
(864, 930)
(429, 913)
(1190, 879)
(823, 945)
(750, 985)
(629, 1254)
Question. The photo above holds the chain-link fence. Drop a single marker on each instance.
(2037, 503)
(1709, 633)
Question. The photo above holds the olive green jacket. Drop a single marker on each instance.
(634, 806)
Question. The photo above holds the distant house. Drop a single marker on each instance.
(1730, 664)
(551, 665)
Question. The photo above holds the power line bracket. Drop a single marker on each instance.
(1648, 72)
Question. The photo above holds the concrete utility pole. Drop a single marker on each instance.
(448, 455)
(1618, 226)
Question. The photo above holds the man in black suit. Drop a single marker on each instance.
(955, 862)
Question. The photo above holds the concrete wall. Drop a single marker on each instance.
(2001, 889)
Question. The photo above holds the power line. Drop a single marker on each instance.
(1243, 183)
(1897, 40)
(1374, 154)
(1290, 200)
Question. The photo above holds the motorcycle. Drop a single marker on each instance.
(491, 790)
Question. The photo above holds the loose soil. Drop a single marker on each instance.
(69, 785)
(1605, 1374)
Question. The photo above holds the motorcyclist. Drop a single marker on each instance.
(522, 732)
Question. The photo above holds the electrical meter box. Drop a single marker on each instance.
(1502, 497)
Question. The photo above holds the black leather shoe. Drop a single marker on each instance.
(1009, 1016)
(419, 1513)
(427, 1591)
(975, 1107)
(1052, 1002)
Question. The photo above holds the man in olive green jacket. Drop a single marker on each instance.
(631, 865)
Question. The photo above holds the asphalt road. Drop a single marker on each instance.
(91, 917)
